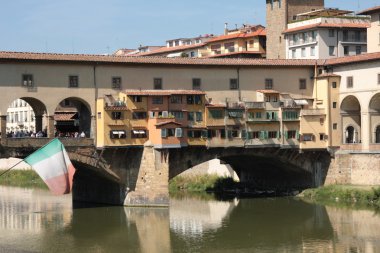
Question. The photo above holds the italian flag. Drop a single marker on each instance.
(53, 165)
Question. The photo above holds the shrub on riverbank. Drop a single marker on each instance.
(200, 183)
(22, 178)
(344, 194)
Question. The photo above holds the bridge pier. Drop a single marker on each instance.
(50, 126)
(152, 184)
(3, 128)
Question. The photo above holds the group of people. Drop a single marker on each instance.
(22, 133)
(70, 134)
(40, 134)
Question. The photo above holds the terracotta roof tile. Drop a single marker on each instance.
(64, 116)
(327, 25)
(168, 122)
(369, 10)
(268, 91)
(259, 32)
(171, 49)
(236, 53)
(128, 60)
(354, 59)
(163, 92)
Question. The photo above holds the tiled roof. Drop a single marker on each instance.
(235, 53)
(354, 59)
(168, 122)
(171, 49)
(163, 92)
(128, 60)
(327, 25)
(369, 10)
(259, 32)
(268, 91)
(64, 116)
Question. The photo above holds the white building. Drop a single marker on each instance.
(373, 31)
(20, 117)
(325, 34)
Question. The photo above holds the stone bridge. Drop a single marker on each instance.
(140, 175)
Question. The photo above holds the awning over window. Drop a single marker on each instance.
(138, 131)
(300, 102)
(118, 132)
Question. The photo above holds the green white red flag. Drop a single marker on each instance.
(53, 165)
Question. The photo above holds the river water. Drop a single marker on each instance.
(36, 221)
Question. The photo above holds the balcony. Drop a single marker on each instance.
(313, 112)
(289, 103)
(235, 105)
(116, 106)
(255, 105)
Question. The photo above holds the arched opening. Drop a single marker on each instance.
(72, 118)
(350, 111)
(374, 113)
(377, 134)
(26, 118)
(351, 135)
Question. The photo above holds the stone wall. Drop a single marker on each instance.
(356, 169)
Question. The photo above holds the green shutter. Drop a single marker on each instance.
(204, 134)
(163, 132)
(244, 134)
(286, 135)
(297, 135)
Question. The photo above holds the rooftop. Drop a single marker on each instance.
(369, 11)
(134, 60)
(163, 92)
(328, 25)
(327, 12)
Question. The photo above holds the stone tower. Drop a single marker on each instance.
(279, 14)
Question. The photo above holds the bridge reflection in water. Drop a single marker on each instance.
(35, 221)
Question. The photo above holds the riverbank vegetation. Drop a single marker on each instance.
(344, 195)
(22, 178)
(201, 183)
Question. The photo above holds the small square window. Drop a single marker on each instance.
(334, 85)
(335, 126)
(321, 137)
(196, 83)
(334, 104)
(234, 84)
(116, 82)
(331, 50)
(350, 81)
(302, 84)
(358, 49)
(346, 50)
(73, 81)
(331, 33)
(268, 84)
(27, 80)
(157, 83)
(117, 115)
(157, 100)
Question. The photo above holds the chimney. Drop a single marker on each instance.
(225, 28)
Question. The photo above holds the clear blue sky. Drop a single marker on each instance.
(103, 26)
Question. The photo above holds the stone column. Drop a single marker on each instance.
(38, 120)
(50, 126)
(365, 130)
(3, 129)
(93, 127)
(152, 186)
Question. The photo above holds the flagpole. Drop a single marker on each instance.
(11, 167)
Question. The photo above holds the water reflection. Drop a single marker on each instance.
(36, 221)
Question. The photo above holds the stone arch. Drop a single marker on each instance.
(30, 117)
(350, 110)
(73, 115)
(308, 169)
(374, 114)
